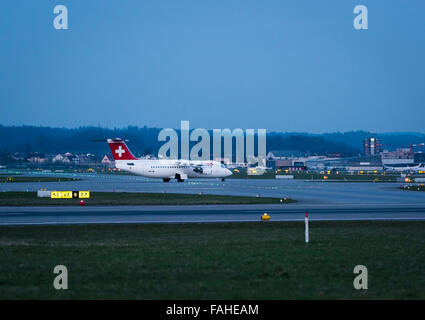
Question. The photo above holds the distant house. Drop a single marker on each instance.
(59, 158)
(37, 159)
(74, 159)
(107, 160)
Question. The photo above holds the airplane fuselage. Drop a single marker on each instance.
(164, 168)
(171, 169)
(403, 169)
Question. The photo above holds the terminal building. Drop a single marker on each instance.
(287, 160)
(350, 164)
(401, 156)
(371, 146)
(373, 159)
(319, 163)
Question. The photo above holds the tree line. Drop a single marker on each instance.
(144, 140)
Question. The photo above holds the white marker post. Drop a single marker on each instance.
(306, 228)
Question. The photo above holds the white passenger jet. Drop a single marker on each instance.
(164, 168)
(407, 169)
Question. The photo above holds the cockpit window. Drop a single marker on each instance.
(130, 164)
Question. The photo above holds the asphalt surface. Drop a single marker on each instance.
(307, 192)
(323, 200)
(203, 214)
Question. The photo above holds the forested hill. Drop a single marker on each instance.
(144, 140)
(61, 140)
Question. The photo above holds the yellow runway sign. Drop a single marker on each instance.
(70, 194)
(66, 194)
(56, 194)
(84, 194)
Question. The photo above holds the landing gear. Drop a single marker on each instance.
(179, 177)
(223, 179)
(166, 179)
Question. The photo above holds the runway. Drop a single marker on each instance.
(203, 214)
(325, 201)
(306, 192)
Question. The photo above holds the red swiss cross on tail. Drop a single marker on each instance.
(119, 150)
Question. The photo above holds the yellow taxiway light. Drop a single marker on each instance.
(265, 217)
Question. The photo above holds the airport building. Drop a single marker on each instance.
(398, 157)
(351, 164)
(371, 146)
(287, 160)
(277, 160)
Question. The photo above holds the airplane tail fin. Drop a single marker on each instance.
(120, 150)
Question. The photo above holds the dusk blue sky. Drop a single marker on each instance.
(281, 65)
